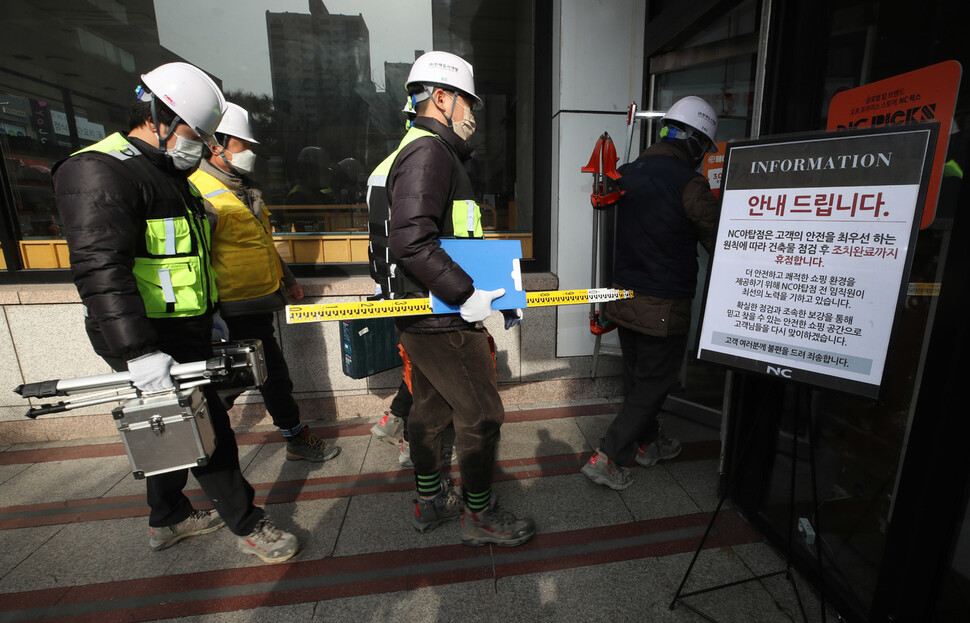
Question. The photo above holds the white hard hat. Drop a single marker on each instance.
(189, 92)
(236, 123)
(445, 70)
(694, 112)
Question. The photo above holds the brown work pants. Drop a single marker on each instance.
(453, 380)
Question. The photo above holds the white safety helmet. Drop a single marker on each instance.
(445, 70)
(695, 113)
(189, 92)
(236, 123)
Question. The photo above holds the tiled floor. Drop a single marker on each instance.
(73, 538)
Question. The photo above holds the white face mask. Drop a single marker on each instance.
(243, 161)
(466, 127)
(186, 154)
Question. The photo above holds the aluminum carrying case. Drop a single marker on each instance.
(248, 362)
(166, 432)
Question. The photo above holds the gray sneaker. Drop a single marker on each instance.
(448, 455)
(389, 429)
(404, 456)
(662, 448)
(495, 525)
(429, 514)
(199, 522)
(269, 543)
(308, 447)
(601, 470)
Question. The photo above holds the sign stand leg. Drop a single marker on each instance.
(679, 596)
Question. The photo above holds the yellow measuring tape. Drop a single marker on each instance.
(296, 314)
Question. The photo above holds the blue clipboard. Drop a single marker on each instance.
(492, 264)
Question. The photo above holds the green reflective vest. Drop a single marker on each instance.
(172, 259)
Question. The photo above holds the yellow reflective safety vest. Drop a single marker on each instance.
(243, 254)
(462, 218)
(172, 259)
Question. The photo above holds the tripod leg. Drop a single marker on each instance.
(700, 546)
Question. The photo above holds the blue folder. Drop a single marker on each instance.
(492, 264)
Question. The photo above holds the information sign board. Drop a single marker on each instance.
(813, 249)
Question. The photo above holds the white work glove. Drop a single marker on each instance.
(513, 317)
(220, 330)
(150, 373)
(478, 307)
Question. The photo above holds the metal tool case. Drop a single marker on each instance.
(247, 361)
(166, 432)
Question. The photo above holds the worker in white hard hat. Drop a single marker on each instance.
(417, 195)
(666, 209)
(139, 250)
(391, 427)
(254, 283)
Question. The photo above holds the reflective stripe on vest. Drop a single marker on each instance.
(173, 277)
(244, 255)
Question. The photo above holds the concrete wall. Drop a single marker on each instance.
(42, 337)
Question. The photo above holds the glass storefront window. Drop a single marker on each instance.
(323, 79)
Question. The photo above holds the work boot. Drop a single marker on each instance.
(389, 429)
(495, 525)
(429, 514)
(305, 446)
(199, 522)
(603, 471)
(662, 448)
(269, 543)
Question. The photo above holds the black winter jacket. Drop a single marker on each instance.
(103, 206)
(419, 186)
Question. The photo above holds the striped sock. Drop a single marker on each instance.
(477, 502)
(293, 432)
(428, 485)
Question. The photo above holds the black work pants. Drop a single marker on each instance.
(401, 406)
(277, 390)
(453, 380)
(221, 479)
(650, 368)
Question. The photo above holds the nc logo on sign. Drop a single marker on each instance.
(783, 372)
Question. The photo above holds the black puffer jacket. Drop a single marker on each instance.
(103, 205)
(420, 187)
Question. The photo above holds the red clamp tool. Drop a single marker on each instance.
(602, 164)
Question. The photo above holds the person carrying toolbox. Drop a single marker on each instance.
(139, 250)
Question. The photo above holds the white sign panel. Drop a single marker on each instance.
(813, 247)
